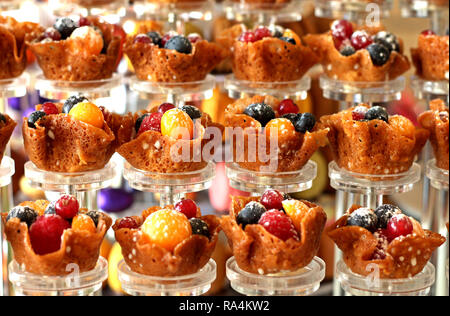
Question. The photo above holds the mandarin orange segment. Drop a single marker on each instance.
(167, 228)
(280, 127)
(290, 33)
(89, 113)
(86, 40)
(177, 124)
(83, 222)
(296, 210)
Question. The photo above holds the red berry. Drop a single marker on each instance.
(262, 32)
(187, 207)
(278, 224)
(143, 38)
(359, 113)
(272, 199)
(360, 40)
(194, 38)
(151, 123)
(46, 232)
(165, 39)
(163, 108)
(67, 206)
(428, 33)
(128, 222)
(52, 33)
(398, 225)
(380, 251)
(49, 108)
(287, 106)
(83, 21)
(248, 37)
(341, 29)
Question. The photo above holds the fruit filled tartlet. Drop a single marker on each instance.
(81, 50)
(172, 57)
(170, 140)
(13, 59)
(361, 54)
(7, 126)
(267, 54)
(431, 56)
(255, 125)
(171, 241)
(46, 236)
(73, 137)
(273, 233)
(396, 243)
(436, 121)
(368, 140)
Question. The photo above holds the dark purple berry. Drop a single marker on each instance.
(347, 50)
(193, 112)
(179, 43)
(95, 216)
(34, 117)
(293, 117)
(50, 209)
(379, 54)
(199, 227)
(261, 112)
(305, 123)
(388, 40)
(72, 101)
(250, 214)
(155, 37)
(384, 214)
(138, 123)
(24, 213)
(364, 218)
(377, 113)
(65, 26)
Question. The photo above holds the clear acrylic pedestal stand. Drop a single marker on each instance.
(9, 5)
(82, 185)
(438, 15)
(195, 284)
(366, 190)
(436, 218)
(171, 186)
(352, 10)
(358, 285)
(6, 172)
(303, 282)
(107, 9)
(74, 284)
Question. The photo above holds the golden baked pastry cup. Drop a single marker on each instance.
(60, 143)
(294, 150)
(77, 247)
(431, 57)
(145, 257)
(59, 61)
(152, 63)
(258, 251)
(13, 59)
(6, 130)
(357, 67)
(154, 152)
(405, 257)
(373, 147)
(438, 129)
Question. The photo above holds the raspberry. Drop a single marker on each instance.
(50, 108)
(165, 39)
(428, 33)
(143, 38)
(360, 40)
(359, 113)
(151, 123)
(248, 37)
(52, 33)
(287, 106)
(194, 38)
(163, 108)
(398, 225)
(187, 207)
(83, 21)
(262, 32)
(46, 233)
(272, 199)
(380, 251)
(127, 222)
(67, 206)
(341, 29)
(278, 224)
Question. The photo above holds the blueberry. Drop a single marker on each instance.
(292, 117)
(50, 209)
(95, 216)
(34, 117)
(261, 112)
(137, 124)
(388, 40)
(72, 101)
(199, 227)
(364, 218)
(24, 213)
(65, 26)
(288, 40)
(193, 112)
(305, 123)
(384, 214)
(377, 113)
(347, 50)
(379, 54)
(250, 214)
(155, 37)
(2, 118)
(179, 43)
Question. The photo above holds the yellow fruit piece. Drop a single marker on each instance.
(296, 210)
(280, 127)
(89, 113)
(167, 228)
(113, 260)
(320, 183)
(177, 124)
(290, 33)
(83, 222)
(86, 40)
